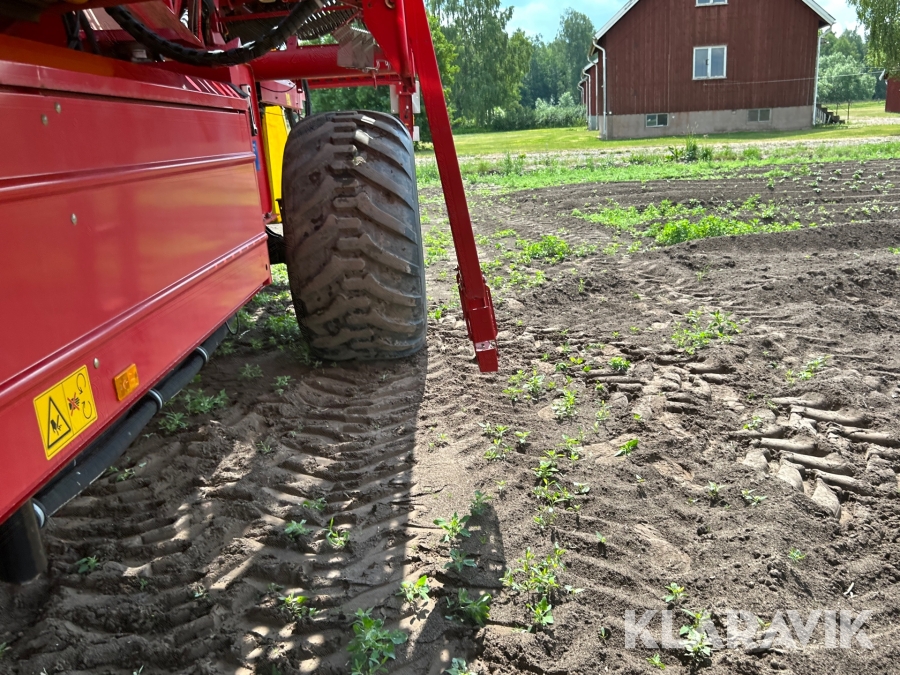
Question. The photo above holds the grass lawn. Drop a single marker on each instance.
(864, 118)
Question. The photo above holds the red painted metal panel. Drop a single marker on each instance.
(772, 46)
(131, 229)
(282, 93)
(34, 66)
(892, 104)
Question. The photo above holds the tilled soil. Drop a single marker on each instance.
(192, 549)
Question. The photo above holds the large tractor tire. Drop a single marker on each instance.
(353, 241)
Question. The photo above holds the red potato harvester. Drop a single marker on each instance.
(161, 156)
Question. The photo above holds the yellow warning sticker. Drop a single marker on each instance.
(65, 410)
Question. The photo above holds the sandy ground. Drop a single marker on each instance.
(191, 545)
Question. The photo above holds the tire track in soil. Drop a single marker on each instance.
(825, 291)
(208, 510)
(191, 546)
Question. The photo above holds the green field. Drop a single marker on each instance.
(867, 120)
(774, 162)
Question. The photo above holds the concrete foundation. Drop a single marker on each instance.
(707, 122)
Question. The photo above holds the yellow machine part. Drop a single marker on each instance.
(275, 134)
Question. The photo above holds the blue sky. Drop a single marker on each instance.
(541, 17)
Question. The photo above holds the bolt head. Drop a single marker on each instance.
(74, 219)
(58, 108)
(44, 120)
(96, 363)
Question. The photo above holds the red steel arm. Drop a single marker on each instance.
(474, 294)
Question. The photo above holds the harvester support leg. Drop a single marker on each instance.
(477, 306)
(22, 556)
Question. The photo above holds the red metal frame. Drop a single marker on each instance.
(133, 198)
(131, 230)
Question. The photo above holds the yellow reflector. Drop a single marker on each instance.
(126, 381)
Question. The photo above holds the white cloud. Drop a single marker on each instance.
(843, 13)
(541, 17)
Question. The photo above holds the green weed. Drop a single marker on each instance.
(281, 383)
(541, 613)
(459, 667)
(197, 403)
(479, 503)
(796, 555)
(565, 407)
(459, 561)
(694, 335)
(619, 364)
(372, 645)
(678, 231)
(437, 243)
(172, 422)
(297, 606)
(675, 593)
(296, 530)
(809, 370)
(413, 591)
(752, 499)
(697, 646)
(87, 565)
(656, 662)
(476, 611)
(628, 447)
(453, 528)
(546, 469)
(315, 504)
(335, 537)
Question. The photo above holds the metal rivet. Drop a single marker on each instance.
(96, 363)
(58, 108)
(74, 219)
(44, 120)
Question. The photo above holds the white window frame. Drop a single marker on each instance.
(657, 125)
(710, 3)
(709, 49)
(758, 112)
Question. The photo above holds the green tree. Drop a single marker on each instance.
(842, 80)
(882, 21)
(492, 64)
(576, 32)
(849, 43)
(555, 67)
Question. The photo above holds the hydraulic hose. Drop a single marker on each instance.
(275, 37)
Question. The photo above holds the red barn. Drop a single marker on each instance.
(669, 67)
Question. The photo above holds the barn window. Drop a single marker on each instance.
(658, 120)
(711, 2)
(710, 62)
(760, 115)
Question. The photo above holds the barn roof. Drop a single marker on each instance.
(827, 19)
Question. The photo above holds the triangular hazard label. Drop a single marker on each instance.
(57, 424)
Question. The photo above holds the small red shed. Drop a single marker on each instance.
(669, 67)
(892, 104)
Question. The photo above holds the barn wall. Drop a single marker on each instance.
(709, 122)
(772, 48)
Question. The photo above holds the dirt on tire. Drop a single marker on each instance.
(797, 404)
